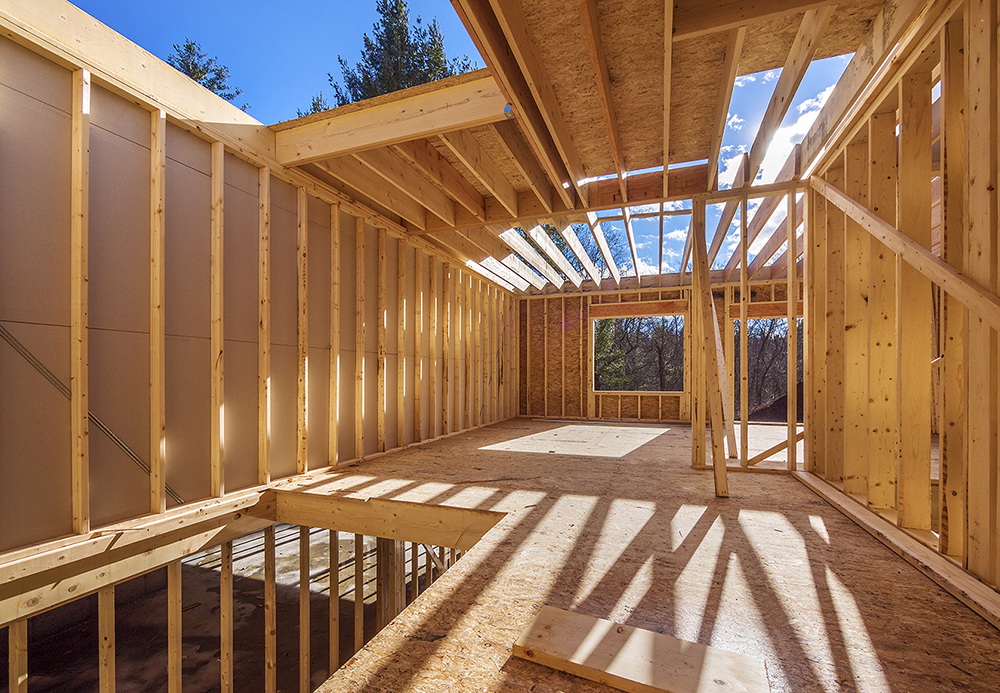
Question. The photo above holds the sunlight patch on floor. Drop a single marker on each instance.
(583, 441)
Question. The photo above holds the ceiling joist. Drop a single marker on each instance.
(394, 170)
(355, 175)
(699, 17)
(774, 243)
(463, 145)
(514, 263)
(602, 243)
(734, 49)
(565, 228)
(630, 233)
(519, 151)
(422, 155)
(531, 256)
(542, 240)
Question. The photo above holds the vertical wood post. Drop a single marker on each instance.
(380, 345)
(157, 313)
(174, 608)
(105, 639)
(359, 591)
(835, 225)
(226, 616)
(17, 657)
(333, 438)
(402, 309)
(78, 351)
(334, 595)
(447, 315)
(305, 658)
(270, 613)
(744, 351)
(792, 367)
(359, 348)
(216, 319)
(302, 332)
(264, 327)
(432, 369)
(418, 344)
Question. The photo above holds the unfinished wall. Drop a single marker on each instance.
(247, 369)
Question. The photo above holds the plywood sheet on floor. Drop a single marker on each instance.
(772, 572)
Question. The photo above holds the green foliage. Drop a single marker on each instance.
(318, 105)
(190, 59)
(398, 56)
(639, 354)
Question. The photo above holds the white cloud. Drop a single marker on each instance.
(744, 80)
(678, 235)
(671, 253)
(730, 166)
(644, 209)
(771, 75)
(647, 267)
(734, 122)
(815, 103)
(673, 206)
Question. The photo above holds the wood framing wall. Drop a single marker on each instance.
(183, 321)
(902, 299)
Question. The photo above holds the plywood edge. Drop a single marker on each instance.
(634, 659)
(967, 589)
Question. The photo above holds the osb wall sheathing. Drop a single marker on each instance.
(555, 336)
(575, 363)
(649, 408)
(522, 356)
(536, 357)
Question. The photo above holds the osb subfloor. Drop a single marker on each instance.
(611, 521)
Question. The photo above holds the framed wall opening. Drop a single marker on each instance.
(638, 354)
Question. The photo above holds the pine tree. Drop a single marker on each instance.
(396, 57)
(190, 59)
(317, 105)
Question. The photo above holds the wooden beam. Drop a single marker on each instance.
(774, 243)
(422, 155)
(602, 244)
(380, 327)
(598, 60)
(401, 520)
(334, 595)
(157, 312)
(395, 171)
(333, 438)
(402, 326)
(635, 309)
(730, 68)
(531, 256)
(78, 354)
(175, 608)
(270, 613)
(506, 273)
(264, 326)
(464, 146)
(225, 617)
(982, 245)
(729, 211)
(668, 61)
(304, 616)
(418, 344)
(633, 659)
(302, 331)
(856, 326)
(217, 348)
(510, 137)
(434, 308)
(359, 344)
(835, 335)
(105, 639)
(714, 370)
(765, 309)
(359, 592)
(882, 358)
(953, 477)
(630, 234)
(696, 18)
(356, 175)
(17, 657)
(744, 350)
(447, 316)
(455, 107)
(565, 228)
(514, 263)
(542, 240)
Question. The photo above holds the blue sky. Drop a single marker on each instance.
(278, 53)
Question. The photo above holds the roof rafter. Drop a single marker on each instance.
(811, 29)
(468, 150)
(514, 25)
(394, 170)
(542, 240)
(520, 246)
(627, 216)
(483, 27)
(514, 263)
(456, 107)
(699, 17)
(594, 222)
(565, 228)
(359, 177)
(668, 61)
(734, 51)
(506, 273)
(425, 158)
(510, 137)
(778, 237)
(595, 46)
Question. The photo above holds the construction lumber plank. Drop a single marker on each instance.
(765, 309)
(514, 264)
(333, 437)
(304, 618)
(771, 246)
(174, 616)
(734, 50)
(157, 312)
(380, 327)
(635, 309)
(105, 640)
(79, 219)
(454, 107)
(418, 344)
(464, 146)
(270, 613)
(334, 595)
(981, 80)
(634, 659)
(359, 177)
(422, 155)
(510, 137)
(263, 326)
(531, 256)
(856, 276)
(792, 346)
(359, 592)
(714, 370)
(953, 487)
(565, 228)
(835, 335)
(541, 238)
(402, 310)
(218, 476)
(694, 18)
(434, 307)
(602, 243)
(359, 344)
(401, 520)
(447, 316)
(630, 235)
(744, 350)
(17, 657)
(302, 330)
(395, 171)
(226, 617)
